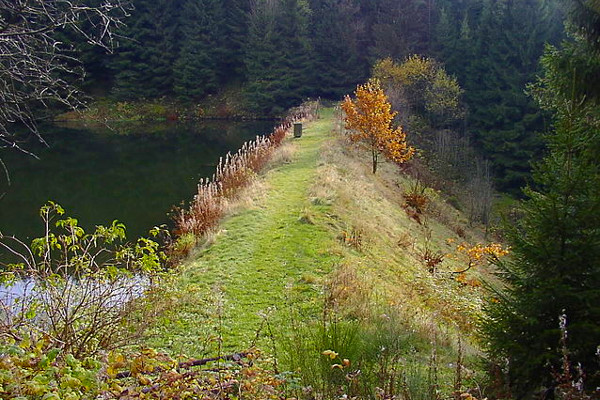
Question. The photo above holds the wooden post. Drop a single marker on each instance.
(297, 129)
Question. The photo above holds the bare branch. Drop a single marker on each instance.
(36, 69)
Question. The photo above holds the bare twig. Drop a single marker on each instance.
(36, 68)
(195, 363)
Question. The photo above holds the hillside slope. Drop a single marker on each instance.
(321, 254)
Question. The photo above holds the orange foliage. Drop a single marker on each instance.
(463, 280)
(476, 255)
(370, 120)
(479, 252)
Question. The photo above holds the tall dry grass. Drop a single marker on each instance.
(234, 172)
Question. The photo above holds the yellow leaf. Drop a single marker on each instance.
(332, 354)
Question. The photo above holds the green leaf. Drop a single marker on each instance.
(52, 354)
(71, 361)
(30, 313)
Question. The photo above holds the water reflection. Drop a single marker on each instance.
(132, 172)
(64, 299)
(21, 289)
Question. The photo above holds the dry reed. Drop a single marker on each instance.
(234, 172)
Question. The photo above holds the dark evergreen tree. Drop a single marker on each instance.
(495, 55)
(93, 61)
(278, 55)
(263, 59)
(293, 32)
(336, 32)
(99, 77)
(586, 20)
(196, 69)
(401, 28)
(144, 62)
(585, 16)
(324, 47)
(555, 268)
(446, 37)
(233, 28)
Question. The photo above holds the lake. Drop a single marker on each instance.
(134, 173)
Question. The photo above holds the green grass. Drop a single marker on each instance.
(263, 258)
(281, 256)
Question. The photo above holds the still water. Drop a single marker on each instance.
(134, 173)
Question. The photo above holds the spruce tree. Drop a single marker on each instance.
(503, 119)
(555, 268)
(292, 28)
(148, 50)
(263, 59)
(278, 55)
(336, 32)
(586, 20)
(446, 37)
(401, 28)
(493, 47)
(195, 71)
(232, 22)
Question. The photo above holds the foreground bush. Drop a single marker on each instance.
(29, 370)
(72, 300)
(75, 291)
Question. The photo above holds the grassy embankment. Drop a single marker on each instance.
(229, 103)
(319, 254)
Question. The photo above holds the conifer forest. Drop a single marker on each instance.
(282, 52)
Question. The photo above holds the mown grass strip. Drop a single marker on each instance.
(264, 258)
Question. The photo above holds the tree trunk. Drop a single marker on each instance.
(374, 154)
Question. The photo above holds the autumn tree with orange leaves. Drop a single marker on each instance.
(369, 119)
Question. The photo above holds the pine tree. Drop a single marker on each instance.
(232, 22)
(586, 18)
(292, 27)
(495, 55)
(446, 36)
(336, 32)
(278, 55)
(263, 60)
(401, 28)
(94, 59)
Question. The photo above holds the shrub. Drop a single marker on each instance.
(149, 374)
(353, 238)
(416, 199)
(31, 370)
(81, 291)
